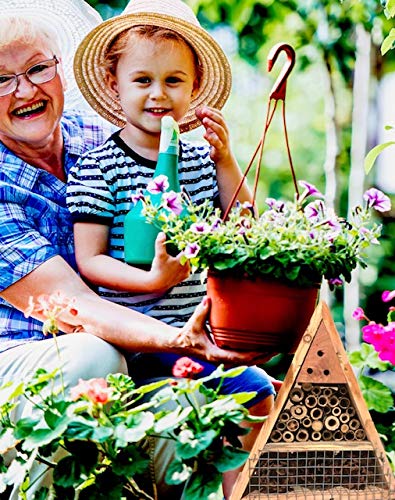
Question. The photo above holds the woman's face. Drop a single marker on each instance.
(30, 115)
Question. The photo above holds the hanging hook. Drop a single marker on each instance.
(279, 88)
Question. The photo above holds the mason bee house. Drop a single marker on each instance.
(320, 441)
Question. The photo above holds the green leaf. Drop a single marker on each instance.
(368, 356)
(388, 42)
(377, 395)
(85, 452)
(195, 445)
(202, 484)
(231, 458)
(25, 426)
(373, 153)
(67, 472)
(390, 6)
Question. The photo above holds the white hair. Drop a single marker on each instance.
(27, 29)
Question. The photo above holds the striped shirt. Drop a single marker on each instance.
(35, 222)
(100, 190)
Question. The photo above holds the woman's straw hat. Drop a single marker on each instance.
(171, 14)
(70, 19)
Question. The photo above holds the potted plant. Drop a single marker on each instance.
(93, 436)
(283, 254)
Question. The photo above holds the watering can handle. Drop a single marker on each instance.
(277, 93)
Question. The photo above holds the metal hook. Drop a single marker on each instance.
(279, 88)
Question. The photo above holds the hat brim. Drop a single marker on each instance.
(90, 73)
(70, 19)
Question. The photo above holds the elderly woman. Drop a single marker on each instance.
(39, 144)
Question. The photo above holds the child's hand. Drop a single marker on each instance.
(217, 133)
(166, 271)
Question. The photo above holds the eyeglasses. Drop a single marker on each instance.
(41, 72)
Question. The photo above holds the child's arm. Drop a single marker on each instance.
(229, 174)
(91, 247)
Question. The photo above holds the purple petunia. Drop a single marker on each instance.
(158, 185)
(138, 196)
(171, 201)
(200, 227)
(191, 250)
(310, 190)
(359, 314)
(377, 199)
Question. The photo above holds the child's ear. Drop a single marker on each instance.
(112, 84)
(195, 88)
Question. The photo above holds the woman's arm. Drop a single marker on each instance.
(121, 326)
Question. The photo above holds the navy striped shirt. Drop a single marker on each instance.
(100, 190)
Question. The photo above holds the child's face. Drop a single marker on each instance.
(154, 79)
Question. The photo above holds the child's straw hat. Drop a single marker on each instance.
(174, 15)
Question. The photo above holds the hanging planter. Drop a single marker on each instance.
(255, 314)
(283, 254)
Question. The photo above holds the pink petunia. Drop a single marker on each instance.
(359, 314)
(200, 227)
(387, 296)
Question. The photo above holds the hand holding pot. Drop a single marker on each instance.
(193, 340)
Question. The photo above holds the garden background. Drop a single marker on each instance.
(339, 105)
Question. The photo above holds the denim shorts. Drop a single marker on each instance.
(253, 379)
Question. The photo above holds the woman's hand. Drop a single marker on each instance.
(166, 271)
(193, 339)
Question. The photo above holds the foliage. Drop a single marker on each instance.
(300, 242)
(92, 437)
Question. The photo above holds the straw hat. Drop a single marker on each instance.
(70, 19)
(171, 14)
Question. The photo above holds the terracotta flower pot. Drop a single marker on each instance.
(257, 314)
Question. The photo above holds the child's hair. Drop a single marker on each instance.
(125, 39)
(27, 30)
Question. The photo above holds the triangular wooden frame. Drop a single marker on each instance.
(320, 360)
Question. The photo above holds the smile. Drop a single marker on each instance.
(37, 107)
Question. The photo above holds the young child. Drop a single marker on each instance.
(135, 69)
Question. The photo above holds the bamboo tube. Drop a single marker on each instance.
(302, 435)
(317, 425)
(284, 416)
(298, 411)
(276, 436)
(344, 403)
(344, 418)
(327, 391)
(336, 411)
(316, 390)
(351, 411)
(344, 428)
(337, 435)
(311, 401)
(281, 426)
(306, 422)
(332, 423)
(307, 387)
(354, 424)
(333, 401)
(296, 395)
(288, 437)
(316, 413)
(349, 436)
(316, 436)
(327, 435)
(322, 401)
(292, 425)
(360, 435)
(343, 390)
